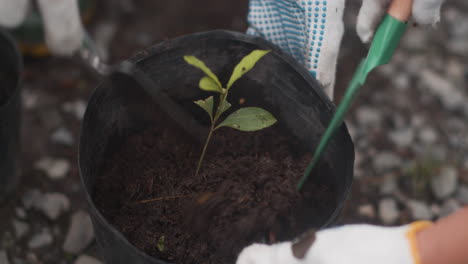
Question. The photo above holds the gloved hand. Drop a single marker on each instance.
(61, 18)
(363, 244)
(311, 30)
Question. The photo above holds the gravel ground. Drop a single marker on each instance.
(409, 126)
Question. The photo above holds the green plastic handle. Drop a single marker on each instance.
(383, 46)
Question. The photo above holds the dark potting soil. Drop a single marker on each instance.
(245, 193)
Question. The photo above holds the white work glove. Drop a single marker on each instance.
(425, 12)
(311, 30)
(61, 18)
(352, 244)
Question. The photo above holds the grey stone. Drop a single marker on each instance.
(54, 204)
(84, 259)
(21, 228)
(32, 198)
(385, 161)
(367, 210)
(77, 108)
(54, 168)
(445, 182)
(20, 213)
(449, 206)
(388, 211)
(417, 40)
(50, 204)
(462, 194)
(63, 136)
(41, 239)
(3, 257)
(402, 81)
(367, 116)
(428, 135)
(389, 185)
(80, 233)
(419, 210)
(451, 97)
(402, 137)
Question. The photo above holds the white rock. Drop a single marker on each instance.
(385, 161)
(462, 194)
(80, 233)
(32, 199)
(54, 204)
(84, 259)
(435, 209)
(63, 136)
(3, 257)
(445, 182)
(367, 210)
(417, 40)
(419, 210)
(39, 240)
(54, 168)
(402, 81)
(451, 97)
(448, 207)
(20, 212)
(388, 211)
(367, 116)
(389, 185)
(76, 108)
(428, 135)
(402, 137)
(21, 228)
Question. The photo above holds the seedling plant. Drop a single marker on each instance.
(244, 119)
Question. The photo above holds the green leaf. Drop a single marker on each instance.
(224, 107)
(208, 84)
(207, 105)
(245, 65)
(249, 119)
(160, 244)
(194, 61)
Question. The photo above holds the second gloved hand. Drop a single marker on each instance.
(62, 24)
(363, 244)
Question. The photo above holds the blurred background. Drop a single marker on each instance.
(409, 125)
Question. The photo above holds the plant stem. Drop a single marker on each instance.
(202, 156)
(222, 98)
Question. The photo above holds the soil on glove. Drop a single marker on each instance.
(245, 193)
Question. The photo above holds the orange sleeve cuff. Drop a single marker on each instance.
(413, 230)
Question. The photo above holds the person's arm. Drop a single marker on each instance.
(446, 241)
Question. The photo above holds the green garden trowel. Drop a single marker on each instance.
(384, 44)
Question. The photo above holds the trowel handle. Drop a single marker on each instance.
(401, 9)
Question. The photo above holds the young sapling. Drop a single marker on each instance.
(244, 119)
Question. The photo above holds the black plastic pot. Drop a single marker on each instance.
(10, 106)
(120, 107)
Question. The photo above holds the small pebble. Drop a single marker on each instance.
(419, 210)
(84, 259)
(445, 182)
(39, 240)
(54, 168)
(20, 228)
(3, 257)
(80, 233)
(449, 207)
(367, 210)
(388, 211)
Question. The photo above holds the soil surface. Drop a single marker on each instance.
(245, 192)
